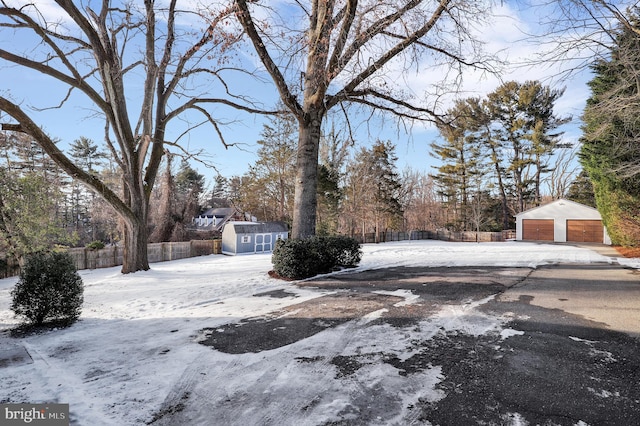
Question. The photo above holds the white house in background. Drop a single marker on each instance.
(562, 221)
(252, 237)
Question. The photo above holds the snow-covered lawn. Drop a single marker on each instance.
(136, 340)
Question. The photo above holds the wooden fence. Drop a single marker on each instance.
(442, 234)
(157, 252)
(107, 257)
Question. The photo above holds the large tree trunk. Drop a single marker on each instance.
(304, 209)
(135, 256)
(135, 247)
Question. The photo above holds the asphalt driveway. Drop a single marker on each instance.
(567, 352)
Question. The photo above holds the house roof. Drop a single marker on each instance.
(559, 205)
(257, 228)
(219, 212)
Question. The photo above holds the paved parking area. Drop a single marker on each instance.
(566, 351)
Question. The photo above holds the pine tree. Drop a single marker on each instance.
(334, 150)
(581, 190)
(460, 154)
(86, 154)
(31, 198)
(267, 190)
(525, 125)
(387, 187)
(219, 195)
(372, 193)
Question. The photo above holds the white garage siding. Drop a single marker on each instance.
(563, 213)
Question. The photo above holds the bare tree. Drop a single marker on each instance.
(563, 173)
(356, 52)
(574, 33)
(134, 63)
(422, 210)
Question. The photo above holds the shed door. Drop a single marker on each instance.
(585, 231)
(263, 243)
(537, 229)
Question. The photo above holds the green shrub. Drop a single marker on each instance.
(95, 245)
(297, 259)
(49, 289)
(344, 250)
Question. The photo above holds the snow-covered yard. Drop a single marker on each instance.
(136, 343)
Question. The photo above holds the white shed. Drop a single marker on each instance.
(562, 221)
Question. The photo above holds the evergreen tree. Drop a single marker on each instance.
(460, 156)
(176, 202)
(372, 193)
(31, 198)
(189, 187)
(329, 197)
(544, 137)
(28, 220)
(524, 122)
(219, 195)
(334, 150)
(267, 190)
(610, 150)
(87, 155)
(387, 207)
(581, 190)
(162, 215)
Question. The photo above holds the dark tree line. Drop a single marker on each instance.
(610, 151)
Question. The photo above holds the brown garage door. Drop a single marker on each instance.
(537, 229)
(585, 231)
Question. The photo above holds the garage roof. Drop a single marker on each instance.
(561, 208)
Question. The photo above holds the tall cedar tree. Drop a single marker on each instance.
(334, 151)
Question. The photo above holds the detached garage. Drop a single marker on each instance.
(562, 221)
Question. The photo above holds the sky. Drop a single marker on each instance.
(504, 34)
(135, 345)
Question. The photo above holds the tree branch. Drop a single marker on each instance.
(247, 23)
(29, 127)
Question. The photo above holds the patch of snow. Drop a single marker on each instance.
(577, 339)
(604, 393)
(633, 262)
(372, 316)
(407, 295)
(514, 419)
(466, 318)
(508, 332)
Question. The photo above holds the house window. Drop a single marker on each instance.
(246, 239)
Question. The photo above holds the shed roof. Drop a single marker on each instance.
(258, 228)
